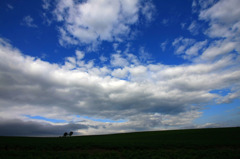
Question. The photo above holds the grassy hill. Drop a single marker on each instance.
(196, 143)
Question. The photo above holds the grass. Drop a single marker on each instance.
(217, 143)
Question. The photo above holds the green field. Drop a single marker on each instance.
(176, 144)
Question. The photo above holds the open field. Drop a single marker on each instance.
(217, 143)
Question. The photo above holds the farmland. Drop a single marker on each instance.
(175, 144)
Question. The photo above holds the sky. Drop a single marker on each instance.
(115, 66)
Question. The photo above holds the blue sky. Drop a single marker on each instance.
(104, 66)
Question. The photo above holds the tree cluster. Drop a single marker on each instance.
(66, 134)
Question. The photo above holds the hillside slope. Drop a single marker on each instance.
(194, 143)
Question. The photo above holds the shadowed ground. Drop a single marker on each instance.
(188, 144)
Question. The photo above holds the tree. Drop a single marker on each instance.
(65, 134)
(70, 134)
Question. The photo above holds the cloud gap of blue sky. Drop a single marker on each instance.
(222, 92)
(45, 119)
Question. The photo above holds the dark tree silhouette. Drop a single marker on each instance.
(65, 134)
(70, 134)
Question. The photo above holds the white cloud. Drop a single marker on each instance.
(46, 4)
(118, 61)
(103, 58)
(183, 25)
(80, 55)
(217, 49)
(229, 98)
(194, 50)
(201, 4)
(28, 21)
(163, 45)
(144, 56)
(148, 10)
(146, 96)
(162, 96)
(46, 14)
(223, 18)
(120, 73)
(181, 44)
(226, 11)
(194, 28)
(206, 3)
(184, 118)
(94, 21)
(115, 46)
(194, 3)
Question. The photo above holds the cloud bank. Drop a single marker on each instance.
(145, 96)
(15, 127)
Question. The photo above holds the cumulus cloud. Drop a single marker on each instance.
(195, 49)
(124, 58)
(223, 18)
(80, 54)
(93, 21)
(182, 44)
(218, 48)
(118, 60)
(230, 96)
(161, 94)
(144, 96)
